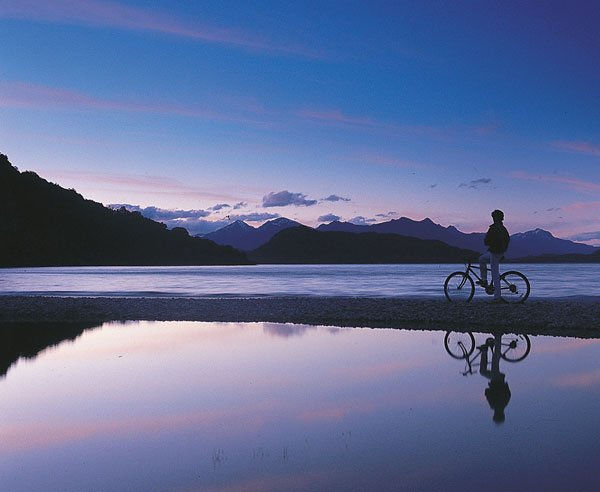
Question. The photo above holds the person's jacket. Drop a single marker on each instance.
(497, 239)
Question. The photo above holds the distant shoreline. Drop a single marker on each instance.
(514, 261)
(572, 317)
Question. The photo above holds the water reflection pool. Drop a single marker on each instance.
(259, 406)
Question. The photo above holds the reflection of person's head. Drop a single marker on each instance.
(498, 395)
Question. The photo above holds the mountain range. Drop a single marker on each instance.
(522, 244)
(530, 243)
(306, 245)
(43, 224)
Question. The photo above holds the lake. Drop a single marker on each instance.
(552, 280)
(184, 406)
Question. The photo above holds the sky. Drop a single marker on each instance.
(205, 112)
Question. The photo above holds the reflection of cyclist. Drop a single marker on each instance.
(497, 393)
(496, 239)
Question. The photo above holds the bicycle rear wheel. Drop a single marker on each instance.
(459, 287)
(459, 345)
(514, 287)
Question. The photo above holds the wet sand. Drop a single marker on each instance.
(572, 317)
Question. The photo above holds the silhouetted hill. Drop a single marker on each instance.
(42, 224)
(245, 237)
(306, 245)
(530, 243)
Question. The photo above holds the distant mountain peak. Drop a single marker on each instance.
(240, 224)
(281, 221)
(537, 232)
(246, 237)
(278, 223)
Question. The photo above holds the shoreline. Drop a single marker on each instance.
(564, 317)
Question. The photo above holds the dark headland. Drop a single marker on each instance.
(43, 224)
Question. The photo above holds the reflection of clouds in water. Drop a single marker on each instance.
(313, 480)
(549, 346)
(57, 431)
(579, 380)
(286, 330)
(379, 370)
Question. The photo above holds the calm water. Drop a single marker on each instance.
(207, 406)
(271, 280)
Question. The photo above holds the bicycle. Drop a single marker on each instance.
(459, 345)
(459, 286)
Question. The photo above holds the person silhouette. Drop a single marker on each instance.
(497, 393)
(496, 239)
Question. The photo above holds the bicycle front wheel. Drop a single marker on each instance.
(459, 345)
(515, 347)
(514, 287)
(459, 287)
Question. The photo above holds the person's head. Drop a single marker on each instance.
(498, 216)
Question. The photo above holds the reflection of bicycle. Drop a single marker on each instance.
(459, 286)
(513, 348)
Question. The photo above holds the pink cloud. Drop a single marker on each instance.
(577, 146)
(375, 372)
(34, 96)
(158, 185)
(337, 411)
(338, 118)
(28, 436)
(487, 129)
(574, 183)
(384, 160)
(310, 480)
(579, 380)
(565, 346)
(116, 15)
(581, 206)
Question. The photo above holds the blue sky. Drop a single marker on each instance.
(438, 109)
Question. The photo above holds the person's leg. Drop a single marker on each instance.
(483, 260)
(495, 267)
(483, 363)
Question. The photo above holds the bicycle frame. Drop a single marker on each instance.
(471, 361)
(470, 270)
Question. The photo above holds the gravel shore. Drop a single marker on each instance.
(579, 317)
